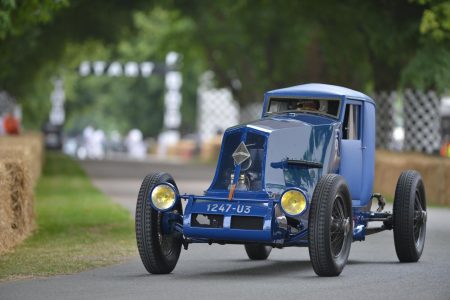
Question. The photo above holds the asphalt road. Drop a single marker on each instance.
(224, 272)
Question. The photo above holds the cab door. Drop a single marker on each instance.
(352, 149)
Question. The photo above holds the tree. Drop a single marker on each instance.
(123, 103)
(252, 46)
(34, 36)
(17, 17)
(255, 46)
(430, 67)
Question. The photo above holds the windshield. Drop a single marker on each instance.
(327, 107)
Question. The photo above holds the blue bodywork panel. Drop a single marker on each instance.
(227, 209)
(288, 150)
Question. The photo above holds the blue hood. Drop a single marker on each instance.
(305, 138)
(313, 143)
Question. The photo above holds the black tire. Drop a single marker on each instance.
(257, 251)
(410, 216)
(159, 252)
(330, 226)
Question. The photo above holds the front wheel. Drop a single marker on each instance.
(159, 251)
(330, 226)
(410, 216)
(257, 251)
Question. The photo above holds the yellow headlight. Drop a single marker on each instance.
(293, 202)
(163, 197)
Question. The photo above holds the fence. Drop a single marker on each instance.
(216, 109)
(416, 114)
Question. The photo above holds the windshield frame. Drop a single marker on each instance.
(337, 117)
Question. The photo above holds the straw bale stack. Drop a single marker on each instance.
(210, 149)
(435, 172)
(28, 147)
(20, 166)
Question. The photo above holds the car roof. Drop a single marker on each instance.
(319, 90)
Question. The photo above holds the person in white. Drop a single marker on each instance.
(135, 144)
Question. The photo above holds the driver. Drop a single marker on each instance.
(309, 105)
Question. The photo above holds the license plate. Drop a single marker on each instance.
(228, 207)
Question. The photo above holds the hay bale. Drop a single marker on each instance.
(435, 172)
(27, 146)
(21, 154)
(16, 204)
(210, 149)
(21, 160)
(21, 196)
(6, 215)
(183, 149)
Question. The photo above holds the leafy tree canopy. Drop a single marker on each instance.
(252, 46)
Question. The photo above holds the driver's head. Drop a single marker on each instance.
(309, 105)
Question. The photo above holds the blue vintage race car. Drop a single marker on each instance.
(301, 175)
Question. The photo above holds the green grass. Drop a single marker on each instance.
(78, 227)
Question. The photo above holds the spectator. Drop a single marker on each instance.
(10, 124)
(135, 144)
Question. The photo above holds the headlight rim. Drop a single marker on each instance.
(304, 195)
(175, 190)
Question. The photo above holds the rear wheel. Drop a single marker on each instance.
(330, 226)
(257, 251)
(410, 216)
(159, 251)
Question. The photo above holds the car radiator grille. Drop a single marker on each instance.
(237, 222)
(207, 220)
(249, 223)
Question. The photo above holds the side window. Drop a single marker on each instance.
(351, 128)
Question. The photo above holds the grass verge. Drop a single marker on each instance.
(78, 227)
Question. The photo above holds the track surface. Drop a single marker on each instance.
(224, 272)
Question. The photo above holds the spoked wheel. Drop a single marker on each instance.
(410, 216)
(420, 217)
(330, 226)
(167, 242)
(159, 251)
(340, 226)
(257, 251)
